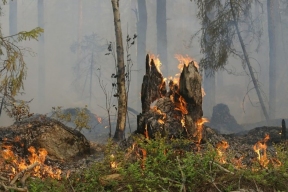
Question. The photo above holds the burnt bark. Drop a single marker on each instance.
(153, 86)
(172, 113)
(190, 90)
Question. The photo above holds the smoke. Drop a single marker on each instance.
(61, 31)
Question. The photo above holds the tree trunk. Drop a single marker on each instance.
(12, 17)
(162, 35)
(255, 83)
(41, 57)
(122, 104)
(273, 22)
(141, 42)
(174, 113)
(79, 36)
(209, 80)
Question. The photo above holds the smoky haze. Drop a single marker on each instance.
(65, 23)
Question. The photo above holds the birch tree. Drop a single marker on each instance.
(120, 72)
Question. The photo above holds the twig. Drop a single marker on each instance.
(170, 180)
(216, 187)
(239, 182)
(183, 188)
(22, 172)
(162, 188)
(222, 168)
(3, 178)
(24, 178)
(256, 186)
(70, 184)
(6, 188)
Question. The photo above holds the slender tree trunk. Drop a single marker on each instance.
(79, 36)
(273, 22)
(122, 105)
(141, 44)
(13, 17)
(91, 79)
(249, 64)
(41, 57)
(162, 35)
(209, 82)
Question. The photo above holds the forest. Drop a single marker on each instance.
(143, 95)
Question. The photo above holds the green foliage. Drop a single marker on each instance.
(20, 111)
(13, 68)
(80, 119)
(218, 33)
(167, 167)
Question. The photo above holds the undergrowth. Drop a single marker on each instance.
(162, 165)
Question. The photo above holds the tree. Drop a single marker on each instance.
(222, 31)
(41, 56)
(209, 82)
(120, 72)
(80, 18)
(141, 43)
(273, 14)
(12, 17)
(161, 22)
(91, 47)
(13, 68)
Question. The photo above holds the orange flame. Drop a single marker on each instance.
(199, 125)
(156, 61)
(185, 60)
(260, 148)
(221, 148)
(19, 164)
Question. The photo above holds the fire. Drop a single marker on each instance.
(260, 148)
(37, 158)
(156, 61)
(199, 125)
(221, 148)
(185, 60)
(99, 119)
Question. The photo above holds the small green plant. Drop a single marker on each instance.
(80, 119)
(19, 111)
(163, 165)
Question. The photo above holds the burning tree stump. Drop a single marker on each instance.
(174, 112)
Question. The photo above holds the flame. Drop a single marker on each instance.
(156, 61)
(185, 60)
(199, 125)
(16, 164)
(260, 148)
(203, 92)
(221, 148)
(99, 119)
(113, 163)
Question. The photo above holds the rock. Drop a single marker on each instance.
(223, 121)
(60, 141)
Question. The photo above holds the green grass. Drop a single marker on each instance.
(167, 168)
